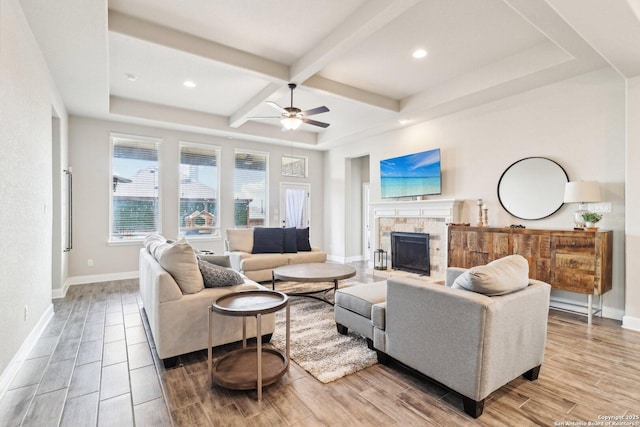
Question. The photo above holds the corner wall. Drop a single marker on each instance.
(579, 123)
(631, 319)
(27, 97)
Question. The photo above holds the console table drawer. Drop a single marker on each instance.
(574, 244)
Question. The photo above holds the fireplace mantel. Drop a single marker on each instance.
(448, 209)
(422, 216)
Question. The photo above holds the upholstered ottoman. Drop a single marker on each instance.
(354, 305)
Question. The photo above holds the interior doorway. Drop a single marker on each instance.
(295, 204)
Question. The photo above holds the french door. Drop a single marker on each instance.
(295, 203)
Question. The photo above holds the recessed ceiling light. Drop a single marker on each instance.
(189, 83)
(405, 121)
(131, 77)
(419, 53)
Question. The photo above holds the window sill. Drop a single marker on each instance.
(127, 242)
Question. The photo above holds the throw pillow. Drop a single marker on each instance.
(240, 239)
(302, 239)
(221, 260)
(215, 276)
(498, 277)
(267, 240)
(179, 259)
(290, 242)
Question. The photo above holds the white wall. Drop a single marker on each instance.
(27, 97)
(89, 156)
(632, 189)
(579, 123)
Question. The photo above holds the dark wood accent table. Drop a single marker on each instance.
(249, 367)
(313, 272)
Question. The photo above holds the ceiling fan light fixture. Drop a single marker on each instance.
(291, 123)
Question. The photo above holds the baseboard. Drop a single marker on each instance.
(632, 323)
(355, 258)
(336, 258)
(25, 349)
(97, 278)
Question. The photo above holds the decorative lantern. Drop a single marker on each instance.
(380, 259)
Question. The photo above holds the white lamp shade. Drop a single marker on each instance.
(582, 192)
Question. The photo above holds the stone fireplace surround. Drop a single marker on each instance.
(416, 216)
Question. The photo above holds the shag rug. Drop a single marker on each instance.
(316, 345)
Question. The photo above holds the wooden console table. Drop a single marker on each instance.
(575, 261)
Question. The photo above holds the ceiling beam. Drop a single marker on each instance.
(368, 19)
(352, 93)
(164, 36)
(361, 24)
(210, 123)
(546, 20)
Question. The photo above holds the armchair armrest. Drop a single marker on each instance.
(236, 258)
(452, 274)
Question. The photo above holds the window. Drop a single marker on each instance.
(198, 213)
(250, 189)
(135, 201)
(294, 166)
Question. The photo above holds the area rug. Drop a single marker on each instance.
(316, 345)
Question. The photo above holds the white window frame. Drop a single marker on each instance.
(266, 183)
(114, 137)
(217, 227)
(305, 159)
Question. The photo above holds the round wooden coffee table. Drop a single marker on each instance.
(249, 367)
(313, 272)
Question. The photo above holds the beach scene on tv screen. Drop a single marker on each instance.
(412, 175)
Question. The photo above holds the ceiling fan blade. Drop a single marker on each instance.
(316, 110)
(277, 107)
(315, 123)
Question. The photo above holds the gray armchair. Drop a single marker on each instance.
(467, 341)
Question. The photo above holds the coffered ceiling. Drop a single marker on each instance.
(127, 60)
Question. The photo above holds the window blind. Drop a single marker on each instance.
(250, 188)
(199, 190)
(135, 202)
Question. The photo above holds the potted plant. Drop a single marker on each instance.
(591, 218)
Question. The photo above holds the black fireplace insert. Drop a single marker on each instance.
(410, 252)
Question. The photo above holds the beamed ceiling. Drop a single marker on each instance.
(127, 60)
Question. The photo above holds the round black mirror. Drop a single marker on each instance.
(532, 188)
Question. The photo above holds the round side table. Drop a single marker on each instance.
(249, 367)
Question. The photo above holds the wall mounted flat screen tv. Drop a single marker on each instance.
(411, 175)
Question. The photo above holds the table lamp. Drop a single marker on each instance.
(581, 192)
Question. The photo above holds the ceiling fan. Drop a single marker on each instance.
(292, 117)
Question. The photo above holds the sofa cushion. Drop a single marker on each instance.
(221, 260)
(215, 276)
(267, 240)
(240, 239)
(314, 255)
(498, 277)
(360, 298)
(179, 259)
(263, 262)
(302, 239)
(290, 240)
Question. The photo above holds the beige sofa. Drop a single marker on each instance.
(179, 321)
(258, 266)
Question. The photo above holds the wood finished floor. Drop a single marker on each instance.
(96, 365)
